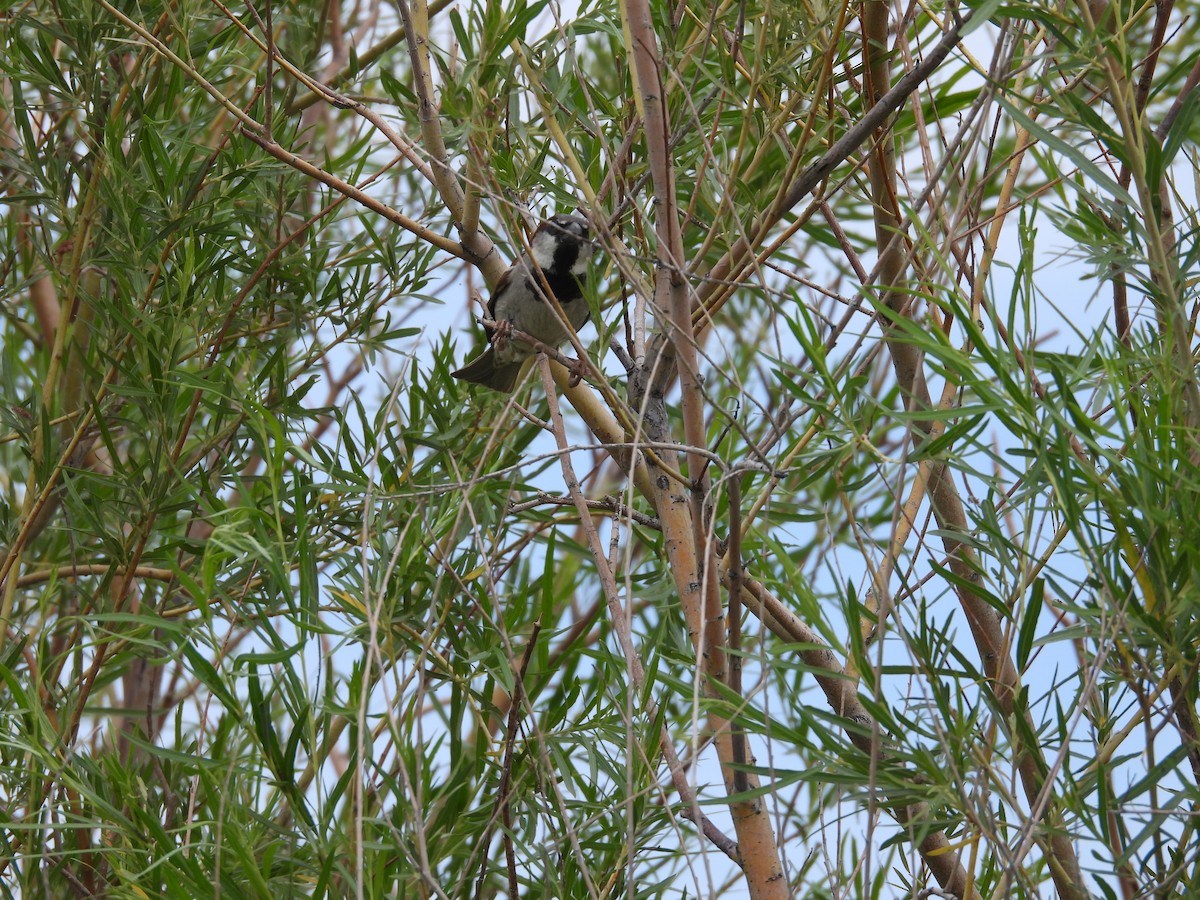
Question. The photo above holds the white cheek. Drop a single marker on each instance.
(542, 250)
(581, 261)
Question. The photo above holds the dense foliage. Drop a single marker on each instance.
(859, 555)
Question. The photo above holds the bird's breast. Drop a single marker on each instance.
(539, 318)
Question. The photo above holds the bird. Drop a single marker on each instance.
(558, 257)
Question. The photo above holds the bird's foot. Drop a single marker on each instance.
(578, 369)
(502, 333)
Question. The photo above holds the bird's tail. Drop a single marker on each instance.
(484, 370)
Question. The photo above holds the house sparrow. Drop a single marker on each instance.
(560, 248)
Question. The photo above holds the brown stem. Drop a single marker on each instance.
(985, 623)
(620, 625)
(684, 519)
(842, 696)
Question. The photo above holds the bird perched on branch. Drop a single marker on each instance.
(558, 257)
